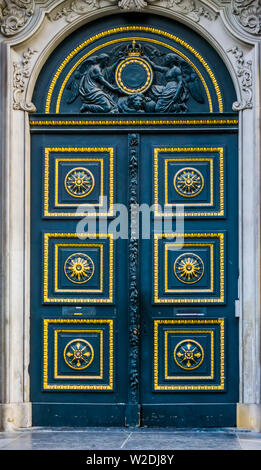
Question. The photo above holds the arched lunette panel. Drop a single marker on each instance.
(202, 69)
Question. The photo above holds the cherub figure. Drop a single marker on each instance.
(132, 104)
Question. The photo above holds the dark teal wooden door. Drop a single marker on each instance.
(133, 317)
(189, 358)
(135, 331)
(79, 282)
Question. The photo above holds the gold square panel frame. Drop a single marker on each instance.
(81, 323)
(47, 299)
(199, 300)
(188, 159)
(78, 150)
(205, 324)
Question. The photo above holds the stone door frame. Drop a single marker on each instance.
(29, 34)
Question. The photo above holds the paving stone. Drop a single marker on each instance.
(250, 444)
(182, 441)
(130, 438)
(73, 440)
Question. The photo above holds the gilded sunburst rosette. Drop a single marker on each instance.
(78, 354)
(188, 182)
(189, 268)
(79, 268)
(79, 182)
(188, 354)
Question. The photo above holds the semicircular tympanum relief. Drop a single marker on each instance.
(142, 67)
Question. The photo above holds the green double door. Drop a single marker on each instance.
(133, 306)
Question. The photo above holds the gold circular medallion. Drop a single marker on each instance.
(134, 75)
(79, 182)
(79, 268)
(189, 268)
(188, 182)
(78, 354)
(188, 354)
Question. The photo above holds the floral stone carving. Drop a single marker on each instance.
(21, 74)
(244, 73)
(14, 15)
(248, 13)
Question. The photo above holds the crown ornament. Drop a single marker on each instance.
(134, 49)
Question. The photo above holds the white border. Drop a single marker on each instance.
(44, 36)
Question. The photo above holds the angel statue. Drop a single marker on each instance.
(180, 80)
(90, 83)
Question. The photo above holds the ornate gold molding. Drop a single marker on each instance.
(135, 122)
(206, 326)
(159, 297)
(83, 327)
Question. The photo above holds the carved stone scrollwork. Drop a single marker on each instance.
(76, 8)
(244, 73)
(133, 4)
(14, 15)
(248, 13)
(79, 7)
(192, 9)
(187, 7)
(137, 4)
(21, 74)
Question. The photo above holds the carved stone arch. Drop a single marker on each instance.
(67, 62)
(233, 53)
(24, 55)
